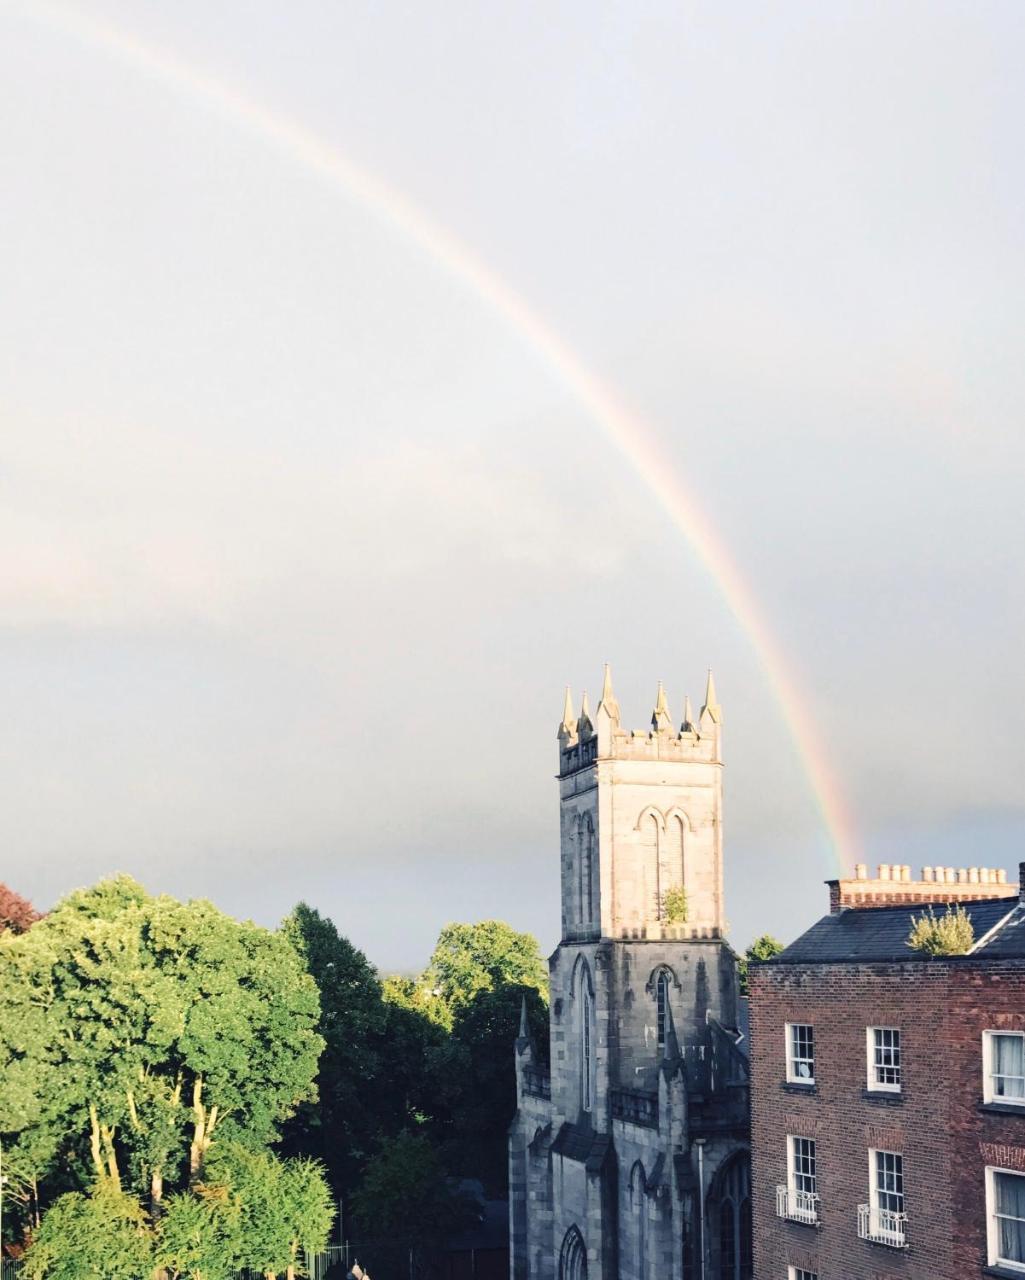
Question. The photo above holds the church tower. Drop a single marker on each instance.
(628, 1156)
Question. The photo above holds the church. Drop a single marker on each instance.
(629, 1152)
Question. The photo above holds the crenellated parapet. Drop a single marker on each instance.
(584, 739)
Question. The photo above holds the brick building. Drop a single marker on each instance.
(628, 1160)
(888, 1089)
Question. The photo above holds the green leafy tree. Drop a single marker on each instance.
(285, 1207)
(342, 1127)
(471, 958)
(134, 1031)
(103, 1236)
(763, 948)
(478, 1078)
(950, 934)
(199, 1234)
(405, 1199)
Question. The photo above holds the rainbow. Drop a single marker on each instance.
(623, 429)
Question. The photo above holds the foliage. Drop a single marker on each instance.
(674, 905)
(103, 1236)
(478, 1079)
(471, 958)
(284, 1206)
(199, 1235)
(135, 1030)
(763, 948)
(341, 1128)
(404, 1196)
(17, 914)
(950, 934)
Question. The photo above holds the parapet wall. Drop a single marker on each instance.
(894, 887)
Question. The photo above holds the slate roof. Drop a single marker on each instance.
(582, 1145)
(881, 933)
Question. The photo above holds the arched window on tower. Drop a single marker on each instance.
(662, 981)
(585, 875)
(587, 1048)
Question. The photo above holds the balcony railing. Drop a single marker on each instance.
(882, 1226)
(635, 1106)
(798, 1206)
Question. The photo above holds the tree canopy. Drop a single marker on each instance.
(17, 914)
(135, 1031)
(763, 948)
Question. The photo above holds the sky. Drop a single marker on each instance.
(302, 535)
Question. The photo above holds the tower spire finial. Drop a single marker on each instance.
(712, 709)
(568, 727)
(609, 703)
(688, 717)
(585, 728)
(524, 1026)
(660, 718)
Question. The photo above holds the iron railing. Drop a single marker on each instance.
(882, 1226)
(636, 1106)
(798, 1206)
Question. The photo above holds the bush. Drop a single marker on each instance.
(106, 1234)
(674, 905)
(950, 934)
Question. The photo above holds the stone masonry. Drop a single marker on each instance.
(629, 1156)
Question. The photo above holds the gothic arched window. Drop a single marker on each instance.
(585, 844)
(734, 1196)
(662, 981)
(587, 1048)
(573, 1257)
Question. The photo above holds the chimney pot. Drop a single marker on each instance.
(884, 871)
(973, 875)
(928, 874)
(861, 871)
(1021, 881)
(1001, 876)
(905, 873)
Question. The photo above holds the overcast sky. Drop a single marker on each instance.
(300, 541)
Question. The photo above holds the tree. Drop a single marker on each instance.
(404, 1198)
(199, 1234)
(284, 1207)
(17, 914)
(134, 1031)
(478, 1077)
(471, 958)
(950, 934)
(104, 1235)
(342, 1127)
(763, 948)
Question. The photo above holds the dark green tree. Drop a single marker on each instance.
(763, 948)
(343, 1126)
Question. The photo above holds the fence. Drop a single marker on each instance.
(10, 1268)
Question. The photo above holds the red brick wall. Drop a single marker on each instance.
(841, 1001)
(984, 997)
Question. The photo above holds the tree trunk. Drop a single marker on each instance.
(94, 1143)
(156, 1192)
(203, 1125)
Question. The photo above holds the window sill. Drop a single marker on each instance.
(793, 1086)
(888, 1097)
(816, 1225)
(1004, 1273)
(1005, 1109)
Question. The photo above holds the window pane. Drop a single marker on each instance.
(802, 1052)
(1008, 1066)
(1010, 1195)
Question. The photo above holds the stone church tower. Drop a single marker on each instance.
(628, 1156)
